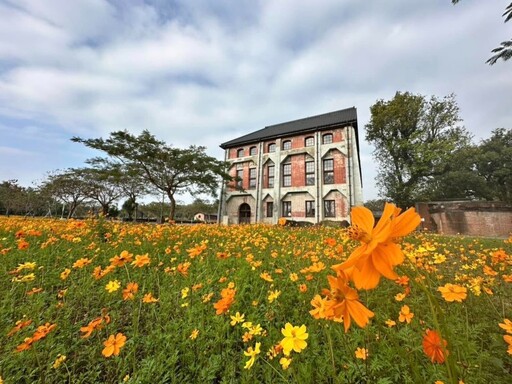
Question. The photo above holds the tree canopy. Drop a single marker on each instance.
(168, 169)
(414, 138)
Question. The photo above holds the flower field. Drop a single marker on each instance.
(105, 302)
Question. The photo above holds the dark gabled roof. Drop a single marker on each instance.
(307, 124)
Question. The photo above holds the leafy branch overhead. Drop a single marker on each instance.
(504, 52)
(170, 170)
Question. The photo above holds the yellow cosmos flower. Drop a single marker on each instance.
(273, 295)
(64, 274)
(285, 362)
(294, 338)
(112, 286)
(24, 279)
(58, 361)
(238, 318)
(194, 334)
(252, 353)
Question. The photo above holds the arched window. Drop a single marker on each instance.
(240, 152)
(309, 141)
(244, 214)
(272, 147)
(252, 151)
(327, 138)
(287, 144)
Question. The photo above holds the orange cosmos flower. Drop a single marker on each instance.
(148, 298)
(89, 328)
(378, 253)
(183, 268)
(434, 346)
(266, 276)
(130, 291)
(344, 303)
(43, 330)
(122, 259)
(452, 292)
(80, 263)
(113, 345)
(141, 260)
(27, 343)
(20, 324)
(33, 291)
(22, 244)
(508, 340)
(361, 353)
(405, 314)
(228, 298)
(506, 325)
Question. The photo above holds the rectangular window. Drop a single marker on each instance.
(252, 178)
(329, 208)
(310, 173)
(270, 181)
(240, 178)
(287, 208)
(329, 171)
(310, 208)
(287, 175)
(270, 209)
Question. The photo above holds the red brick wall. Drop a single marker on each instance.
(340, 175)
(298, 171)
(467, 218)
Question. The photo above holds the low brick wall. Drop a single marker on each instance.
(474, 218)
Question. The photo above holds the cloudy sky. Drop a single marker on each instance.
(204, 72)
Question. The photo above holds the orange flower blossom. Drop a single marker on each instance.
(434, 346)
(378, 253)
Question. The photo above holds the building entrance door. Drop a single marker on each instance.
(244, 214)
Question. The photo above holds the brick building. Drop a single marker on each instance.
(304, 170)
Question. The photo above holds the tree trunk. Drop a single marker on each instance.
(173, 206)
(104, 210)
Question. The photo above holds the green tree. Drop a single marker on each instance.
(494, 164)
(414, 138)
(375, 205)
(69, 187)
(129, 206)
(12, 196)
(462, 179)
(170, 170)
(504, 52)
(103, 186)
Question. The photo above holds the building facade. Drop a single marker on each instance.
(304, 170)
